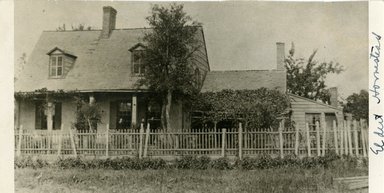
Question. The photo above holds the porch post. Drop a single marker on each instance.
(92, 99)
(50, 112)
(134, 111)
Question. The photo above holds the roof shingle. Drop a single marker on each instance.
(101, 64)
(247, 79)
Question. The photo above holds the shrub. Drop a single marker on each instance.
(23, 162)
(265, 161)
(220, 163)
(186, 162)
(68, 163)
(246, 163)
(148, 163)
(290, 160)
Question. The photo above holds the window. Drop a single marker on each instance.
(56, 66)
(41, 117)
(311, 119)
(56, 118)
(124, 115)
(137, 62)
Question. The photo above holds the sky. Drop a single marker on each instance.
(238, 35)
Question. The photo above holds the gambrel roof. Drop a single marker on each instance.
(102, 64)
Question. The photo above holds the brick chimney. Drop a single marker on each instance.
(334, 95)
(280, 54)
(109, 21)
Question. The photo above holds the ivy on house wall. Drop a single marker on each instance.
(261, 108)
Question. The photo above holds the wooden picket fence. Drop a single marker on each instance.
(349, 137)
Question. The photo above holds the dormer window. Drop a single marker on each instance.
(56, 66)
(137, 62)
(60, 62)
(137, 59)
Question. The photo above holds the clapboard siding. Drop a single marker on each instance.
(300, 106)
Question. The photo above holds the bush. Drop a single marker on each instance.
(221, 164)
(23, 162)
(193, 162)
(68, 163)
(265, 161)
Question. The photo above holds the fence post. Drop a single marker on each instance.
(60, 136)
(335, 141)
(345, 138)
(281, 126)
(341, 131)
(297, 142)
(355, 138)
(146, 141)
(141, 140)
(317, 138)
(18, 153)
(324, 133)
(308, 139)
(349, 137)
(366, 135)
(72, 142)
(223, 142)
(362, 131)
(240, 141)
(107, 141)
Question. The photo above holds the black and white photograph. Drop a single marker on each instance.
(193, 97)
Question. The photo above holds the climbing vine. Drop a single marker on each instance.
(46, 94)
(259, 108)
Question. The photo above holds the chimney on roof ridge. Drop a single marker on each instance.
(280, 55)
(334, 95)
(109, 21)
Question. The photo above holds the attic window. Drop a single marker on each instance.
(137, 59)
(59, 60)
(56, 66)
(137, 62)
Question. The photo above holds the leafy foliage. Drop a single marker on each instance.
(87, 115)
(357, 105)
(306, 78)
(167, 58)
(193, 162)
(44, 93)
(258, 108)
(331, 161)
(23, 162)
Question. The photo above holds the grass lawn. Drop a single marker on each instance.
(282, 180)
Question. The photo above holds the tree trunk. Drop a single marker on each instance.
(90, 125)
(168, 110)
(162, 116)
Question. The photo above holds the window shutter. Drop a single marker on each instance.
(112, 114)
(57, 117)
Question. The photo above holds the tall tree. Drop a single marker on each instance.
(170, 45)
(306, 77)
(357, 105)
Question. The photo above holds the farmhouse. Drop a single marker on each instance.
(104, 65)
